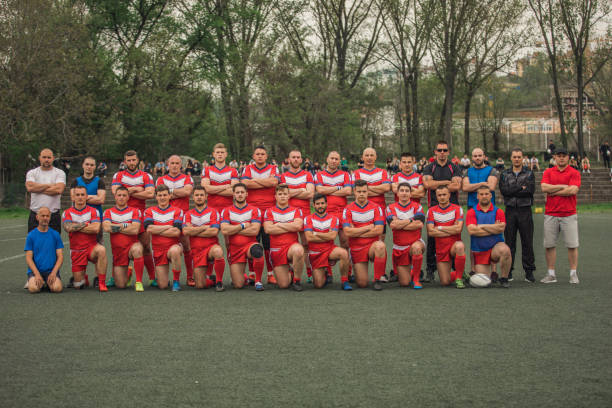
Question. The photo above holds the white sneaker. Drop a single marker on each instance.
(549, 279)
(26, 285)
(574, 279)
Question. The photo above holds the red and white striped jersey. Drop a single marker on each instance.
(177, 182)
(119, 216)
(278, 215)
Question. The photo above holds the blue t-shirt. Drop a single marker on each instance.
(44, 245)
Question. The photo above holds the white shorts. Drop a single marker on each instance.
(566, 226)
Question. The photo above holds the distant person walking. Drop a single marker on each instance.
(606, 152)
(517, 185)
(561, 184)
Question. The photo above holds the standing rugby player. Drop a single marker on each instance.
(140, 188)
(180, 186)
(82, 224)
(335, 184)
(164, 222)
(321, 229)
(241, 223)
(201, 225)
(283, 222)
(218, 179)
(96, 188)
(444, 225)
(123, 224)
(363, 222)
(261, 178)
(406, 220)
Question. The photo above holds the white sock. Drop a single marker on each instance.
(551, 272)
(572, 272)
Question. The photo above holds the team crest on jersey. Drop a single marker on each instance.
(321, 225)
(332, 181)
(294, 181)
(132, 180)
(121, 218)
(162, 217)
(220, 177)
(199, 220)
(444, 217)
(283, 217)
(78, 218)
(240, 217)
(175, 183)
(404, 215)
(371, 178)
(257, 175)
(362, 216)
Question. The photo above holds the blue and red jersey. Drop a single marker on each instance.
(278, 215)
(164, 216)
(220, 177)
(476, 216)
(208, 216)
(120, 216)
(338, 178)
(137, 179)
(175, 183)
(357, 216)
(323, 224)
(87, 215)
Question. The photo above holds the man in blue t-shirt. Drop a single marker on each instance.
(44, 255)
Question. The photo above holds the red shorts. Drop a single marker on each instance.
(401, 255)
(200, 256)
(160, 255)
(238, 254)
(482, 257)
(280, 256)
(80, 258)
(320, 259)
(121, 255)
(359, 255)
(443, 250)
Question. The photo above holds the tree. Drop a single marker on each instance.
(579, 18)
(499, 40)
(408, 26)
(456, 25)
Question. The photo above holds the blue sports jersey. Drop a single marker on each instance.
(478, 176)
(44, 245)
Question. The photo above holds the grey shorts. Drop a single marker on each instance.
(565, 226)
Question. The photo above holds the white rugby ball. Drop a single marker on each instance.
(480, 280)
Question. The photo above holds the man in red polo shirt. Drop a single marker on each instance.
(561, 184)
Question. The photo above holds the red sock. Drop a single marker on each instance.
(86, 280)
(102, 280)
(329, 271)
(258, 265)
(453, 276)
(176, 274)
(459, 266)
(417, 262)
(219, 267)
(148, 261)
(268, 263)
(188, 264)
(139, 268)
(250, 262)
(309, 272)
(208, 283)
(129, 272)
(379, 267)
(344, 279)
(350, 272)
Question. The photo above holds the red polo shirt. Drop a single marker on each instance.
(561, 206)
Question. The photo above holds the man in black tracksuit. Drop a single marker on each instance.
(517, 185)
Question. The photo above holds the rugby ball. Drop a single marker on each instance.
(480, 280)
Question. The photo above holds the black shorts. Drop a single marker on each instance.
(55, 223)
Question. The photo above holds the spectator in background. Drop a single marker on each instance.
(197, 169)
(606, 152)
(360, 164)
(421, 165)
(552, 163)
(101, 170)
(234, 164)
(189, 167)
(500, 164)
(285, 166)
(158, 170)
(573, 163)
(147, 167)
(550, 151)
(465, 162)
(141, 165)
(455, 160)
(517, 185)
(535, 163)
(316, 168)
(586, 165)
(527, 162)
(344, 164)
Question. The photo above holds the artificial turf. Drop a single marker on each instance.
(532, 345)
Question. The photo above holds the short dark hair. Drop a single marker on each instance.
(439, 188)
(89, 157)
(235, 186)
(406, 154)
(484, 188)
(130, 153)
(260, 147)
(516, 149)
(361, 183)
(441, 142)
(122, 188)
(161, 187)
(404, 184)
(281, 186)
(198, 188)
(319, 196)
(80, 187)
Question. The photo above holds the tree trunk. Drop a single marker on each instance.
(244, 126)
(579, 118)
(559, 103)
(446, 117)
(407, 109)
(466, 125)
(415, 112)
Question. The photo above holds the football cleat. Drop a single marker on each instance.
(259, 286)
(346, 286)
(138, 287)
(190, 282)
(176, 286)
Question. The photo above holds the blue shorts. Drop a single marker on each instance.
(44, 275)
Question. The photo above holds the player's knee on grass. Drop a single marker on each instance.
(33, 285)
(319, 277)
(256, 251)
(403, 275)
(56, 286)
(200, 277)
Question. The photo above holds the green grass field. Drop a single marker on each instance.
(533, 345)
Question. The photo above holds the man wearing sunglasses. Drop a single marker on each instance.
(439, 173)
